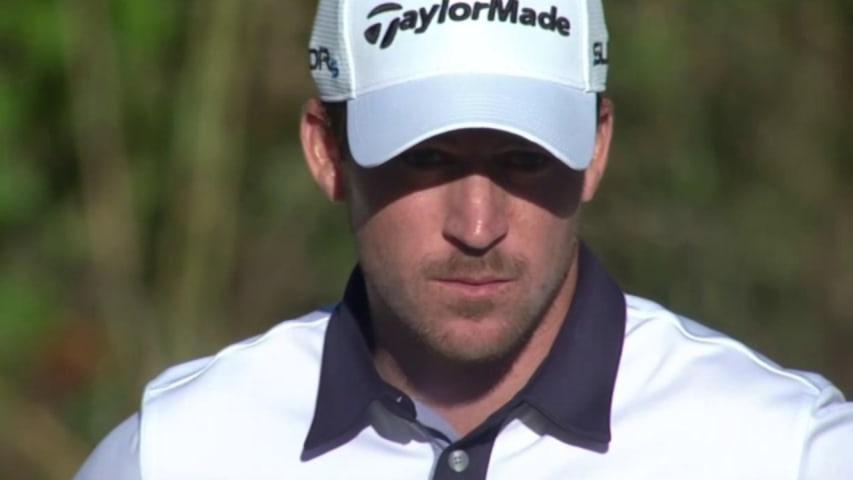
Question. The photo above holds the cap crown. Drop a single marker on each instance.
(358, 46)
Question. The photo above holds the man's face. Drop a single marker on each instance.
(465, 240)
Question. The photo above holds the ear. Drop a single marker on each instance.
(603, 134)
(321, 150)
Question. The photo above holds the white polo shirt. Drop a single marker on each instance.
(629, 391)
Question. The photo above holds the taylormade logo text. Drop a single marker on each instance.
(420, 20)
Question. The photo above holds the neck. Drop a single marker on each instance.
(466, 394)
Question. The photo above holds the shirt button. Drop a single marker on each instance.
(458, 461)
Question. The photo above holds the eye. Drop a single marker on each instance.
(426, 158)
(526, 160)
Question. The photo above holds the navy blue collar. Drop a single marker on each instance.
(573, 388)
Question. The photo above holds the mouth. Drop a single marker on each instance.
(474, 286)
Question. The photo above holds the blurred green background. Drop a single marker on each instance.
(154, 205)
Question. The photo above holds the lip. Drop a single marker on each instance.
(475, 287)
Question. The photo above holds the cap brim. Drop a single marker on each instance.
(384, 123)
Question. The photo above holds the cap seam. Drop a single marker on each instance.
(587, 62)
(345, 34)
(408, 78)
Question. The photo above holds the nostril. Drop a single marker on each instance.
(475, 234)
(472, 249)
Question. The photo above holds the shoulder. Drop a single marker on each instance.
(251, 396)
(117, 456)
(248, 362)
(708, 395)
(674, 344)
(216, 405)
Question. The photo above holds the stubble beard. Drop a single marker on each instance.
(414, 318)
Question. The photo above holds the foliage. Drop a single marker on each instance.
(154, 204)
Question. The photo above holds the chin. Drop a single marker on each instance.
(476, 341)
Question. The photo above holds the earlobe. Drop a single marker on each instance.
(320, 150)
(596, 168)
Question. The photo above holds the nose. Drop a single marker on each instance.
(476, 214)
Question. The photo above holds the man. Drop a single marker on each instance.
(477, 337)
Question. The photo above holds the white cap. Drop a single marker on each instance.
(413, 69)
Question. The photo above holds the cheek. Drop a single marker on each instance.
(548, 218)
(397, 232)
(379, 198)
(542, 236)
(558, 193)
